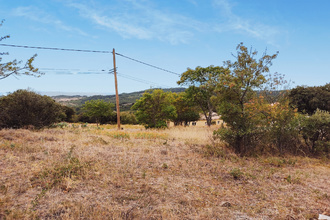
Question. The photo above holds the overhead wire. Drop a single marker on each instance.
(156, 67)
(141, 80)
(80, 71)
(63, 71)
(55, 48)
(90, 51)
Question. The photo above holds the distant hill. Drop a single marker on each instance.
(126, 100)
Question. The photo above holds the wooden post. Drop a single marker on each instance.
(116, 86)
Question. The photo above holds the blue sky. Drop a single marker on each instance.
(171, 34)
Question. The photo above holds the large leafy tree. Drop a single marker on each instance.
(69, 113)
(246, 74)
(98, 109)
(16, 67)
(186, 110)
(202, 82)
(309, 99)
(155, 109)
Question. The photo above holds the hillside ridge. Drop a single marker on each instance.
(126, 100)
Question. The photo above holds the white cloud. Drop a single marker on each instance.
(36, 14)
(243, 25)
(142, 21)
(117, 24)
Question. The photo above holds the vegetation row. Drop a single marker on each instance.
(260, 114)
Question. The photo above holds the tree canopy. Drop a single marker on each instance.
(155, 109)
(309, 99)
(202, 82)
(98, 109)
(237, 88)
(186, 110)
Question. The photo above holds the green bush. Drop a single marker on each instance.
(236, 173)
(242, 142)
(128, 118)
(283, 131)
(316, 131)
(25, 108)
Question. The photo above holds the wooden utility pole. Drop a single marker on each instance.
(116, 86)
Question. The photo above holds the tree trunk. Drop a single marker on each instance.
(209, 117)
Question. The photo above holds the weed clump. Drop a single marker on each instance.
(236, 173)
(119, 135)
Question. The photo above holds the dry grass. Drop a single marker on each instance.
(180, 173)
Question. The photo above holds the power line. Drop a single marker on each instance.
(72, 71)
(141, 80)
(80, 71)
(90, 51)
(144, 63)
(55, 48)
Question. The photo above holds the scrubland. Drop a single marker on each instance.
(85, 172)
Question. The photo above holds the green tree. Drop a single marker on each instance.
(14, 67)
(186, 109)
(98, 109)
(238, 88)
(155, 109)
(202, 82)
(23, 108)
(308, 99)
(69, 114)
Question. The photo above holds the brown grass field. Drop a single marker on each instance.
(179, 173)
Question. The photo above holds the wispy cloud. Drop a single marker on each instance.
(142, 21)
(234, 22)
(36, 14)
(145, 19)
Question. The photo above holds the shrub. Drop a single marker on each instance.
(282, 128)
(214, 150)
(24, 108)
(268, 128)
(236, 173)
(128, 118)
(316, 131)
(242, 142)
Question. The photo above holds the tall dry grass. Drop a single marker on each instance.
(179, 173)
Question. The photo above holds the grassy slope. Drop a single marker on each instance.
(89, 173)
